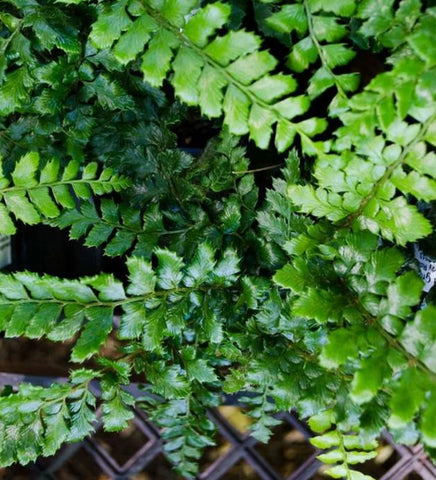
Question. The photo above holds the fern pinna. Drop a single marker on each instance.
(296, 286)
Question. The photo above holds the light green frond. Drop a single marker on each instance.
(228, 72)
(35, 192)
(36, 421)
(320, 27)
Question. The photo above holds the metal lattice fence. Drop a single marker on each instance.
(137, 454)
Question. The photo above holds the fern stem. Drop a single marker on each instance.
(138, 231)
(71, 392)
(320, 50)
(11, 140)
(14, 188)
(342, 449)
(412, 360)
(254, 170)
(115, 303)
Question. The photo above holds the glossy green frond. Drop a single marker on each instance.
(375, 328)
(175, 213)
(344, 450)
(296, 292)
(388, 25)
(159, 307)
(117, 407)
(381, 161)
(24, 38)
(36, 421)
(321, 32)
(186, 429)
(155, 304)
(119, 228)
(229, 74)
(34, 192)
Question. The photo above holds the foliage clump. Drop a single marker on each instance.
(296, 286)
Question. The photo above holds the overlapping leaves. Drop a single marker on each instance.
(186, 429)
(37, 28)
(213, 198)
(369, 187)
(36, 421)
(342, 329)
(118, 227)
(374, 328)
(158, 306)
(388, 25)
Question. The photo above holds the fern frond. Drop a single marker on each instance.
(388, 25)
(28, 34)
(33, 192)
(229, 74)
(262, 410)
(214, 198)
(155, 303)
(369, 188)
(117, 407)
(322, 34)
(159, 307)
(339, 329)
(279, 221)
(119, 228)
(122, 229)
(378, 334)
(386, 342)
(345, 450)
(47, 306)
(36, 421)
(186, 429)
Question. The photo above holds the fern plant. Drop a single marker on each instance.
(296, 286)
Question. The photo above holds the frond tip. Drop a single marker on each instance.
(344, 450)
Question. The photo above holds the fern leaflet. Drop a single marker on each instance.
(32, 193)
